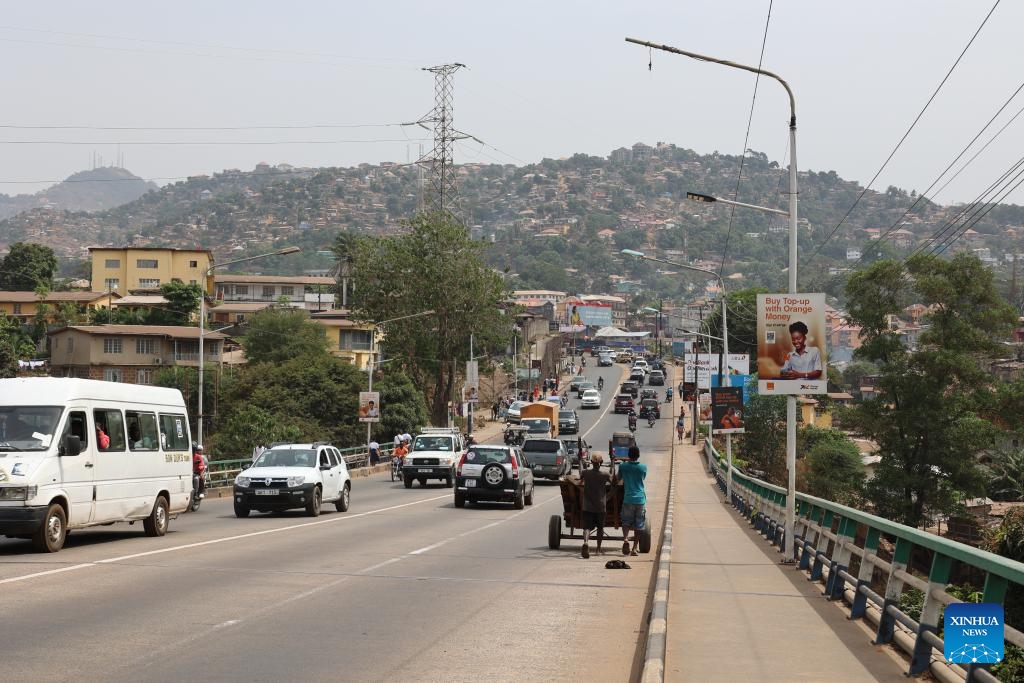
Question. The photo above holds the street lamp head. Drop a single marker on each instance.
(287, 250)
(697, 197)
(634, 253)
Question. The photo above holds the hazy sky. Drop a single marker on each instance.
(544, 79)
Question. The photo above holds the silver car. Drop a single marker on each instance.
(491, 472)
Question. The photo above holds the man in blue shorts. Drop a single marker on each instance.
(634, 499)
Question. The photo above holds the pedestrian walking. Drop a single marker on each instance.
(633, 515)
(374, 452)
(595, 501)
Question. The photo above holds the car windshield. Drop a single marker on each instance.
(482, 456)
(566, 414)
(432, 443)
(286, 457)
(28, 428)
(623, 397)
(514, 408)
(586, 385)
(537, 424)
(541, 445)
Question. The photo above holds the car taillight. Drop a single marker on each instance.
(558, 460)
(515, 468)
(458, 468)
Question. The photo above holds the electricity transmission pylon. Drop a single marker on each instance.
(443, 191)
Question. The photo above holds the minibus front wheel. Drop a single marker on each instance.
(50, 536)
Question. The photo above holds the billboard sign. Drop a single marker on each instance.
(369, 406)
(591, 315)
(791, 355)
(727, 410)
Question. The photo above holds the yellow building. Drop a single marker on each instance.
(22, 306)
(136, 268)
(348, 339)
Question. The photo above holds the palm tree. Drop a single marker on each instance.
(1006, 472)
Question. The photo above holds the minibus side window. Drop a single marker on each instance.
(112, 424)
(77, 426)
(142, 433)
(174, 432)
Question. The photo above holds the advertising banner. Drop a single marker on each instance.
(469, 392)
(369, 406)
(791, 355)
(597, 315)
(727, 410)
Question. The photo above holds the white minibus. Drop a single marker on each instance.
(76, 453)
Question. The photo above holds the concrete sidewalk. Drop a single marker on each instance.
(736, 614)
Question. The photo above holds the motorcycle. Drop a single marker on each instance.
(632, 423)
(565, 400)
(650, 419)
(668, 395)
(600, 383)
(198, 493)
(396, 469)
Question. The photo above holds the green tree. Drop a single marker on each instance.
(182, 303)
(763, 445)
(277, 335)
(927, 419)
(26, 267)
(248, 426)
(834, 469)
(1006, 475)
(434, 266)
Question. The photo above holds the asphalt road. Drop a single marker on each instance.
(404, 586)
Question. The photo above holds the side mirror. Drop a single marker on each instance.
(71, 445)
(325, 466)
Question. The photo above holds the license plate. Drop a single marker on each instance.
(470, 483)
(266, 492)
(424, 469)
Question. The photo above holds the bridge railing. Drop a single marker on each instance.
(223, 472)
(838, 546)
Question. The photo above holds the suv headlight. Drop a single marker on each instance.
(242, 482)
(296, 481)
(447, 462)
(18, 492)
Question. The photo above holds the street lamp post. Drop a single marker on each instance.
(202, 325)
(789, 551)
(725, 344)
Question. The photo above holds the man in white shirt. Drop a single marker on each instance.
(374, 452)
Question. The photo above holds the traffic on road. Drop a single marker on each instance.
(387, 583)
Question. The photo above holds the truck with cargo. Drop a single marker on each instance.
(548, 409)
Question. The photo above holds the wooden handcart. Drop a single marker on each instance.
(572, 515)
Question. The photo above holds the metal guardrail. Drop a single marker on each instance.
(831, 538)
(223, 472)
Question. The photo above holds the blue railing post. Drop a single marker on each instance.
(893, 590)
(867, 568)
(929, 621)
(840, 558)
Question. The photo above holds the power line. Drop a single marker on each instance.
(174, 143)
(746, 141)
(319, 126)
(905, 135)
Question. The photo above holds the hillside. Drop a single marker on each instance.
(557, 224)
(96, 190)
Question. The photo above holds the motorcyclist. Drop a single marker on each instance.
(632, 420)
(668, 395)
(199, 469)
(600, 383)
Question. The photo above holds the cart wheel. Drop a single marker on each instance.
(644, 537)
(554, 532)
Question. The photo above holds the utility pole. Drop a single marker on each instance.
(443, 192)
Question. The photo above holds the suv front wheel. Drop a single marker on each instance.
(313, 506)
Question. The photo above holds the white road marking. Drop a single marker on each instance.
(215, 541)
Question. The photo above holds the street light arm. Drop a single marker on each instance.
(725, 62)
(279, 252)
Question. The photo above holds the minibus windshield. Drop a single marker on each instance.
(28, 428)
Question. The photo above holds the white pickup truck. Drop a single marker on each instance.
(435, 453)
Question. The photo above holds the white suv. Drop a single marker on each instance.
(435, 453)
(297, 475)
